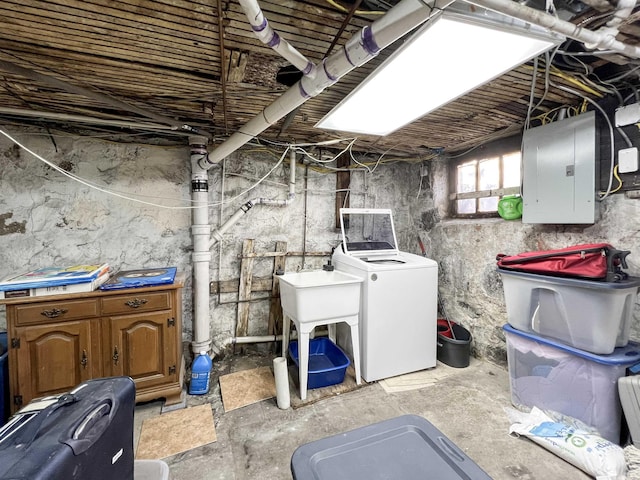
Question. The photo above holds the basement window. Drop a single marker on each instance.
(479, 183)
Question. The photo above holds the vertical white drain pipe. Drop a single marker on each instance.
(203, 241)
(200, 230)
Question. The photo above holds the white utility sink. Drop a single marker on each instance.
(318, 294)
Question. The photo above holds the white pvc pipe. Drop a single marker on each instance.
(624, 8)
(360, 48)
(200, 231)
(204, 239)
(292, 187)
(257, 339)
(318, 332)
(219, 233)
(598, 39)
(269, 37)
(281, 374)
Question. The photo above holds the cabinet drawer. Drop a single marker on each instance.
(142, 302)
(55, 311)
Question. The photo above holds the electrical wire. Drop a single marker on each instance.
(532, 93)
(611, 134)
(90, 184)
(129, 196)
(615, 174)
(357, 12)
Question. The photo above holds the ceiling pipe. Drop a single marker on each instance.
(65, 117)
(269, 37)
(592, 39)
(100, 97)
(624, 9)
(359, 49)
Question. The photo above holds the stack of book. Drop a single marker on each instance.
(146, 277)
(55, 281)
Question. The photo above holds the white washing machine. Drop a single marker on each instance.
(398, 326)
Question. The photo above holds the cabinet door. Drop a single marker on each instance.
(143, 347)
(54, 358)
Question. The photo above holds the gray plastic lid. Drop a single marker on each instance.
(407, 447)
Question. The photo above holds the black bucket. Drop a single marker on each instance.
(455, 352)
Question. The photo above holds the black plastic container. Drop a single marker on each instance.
(455, 352)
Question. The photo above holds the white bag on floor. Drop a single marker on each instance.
(584, 449)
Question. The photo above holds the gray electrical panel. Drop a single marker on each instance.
(559, 171)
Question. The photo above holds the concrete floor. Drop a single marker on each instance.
(257, 441)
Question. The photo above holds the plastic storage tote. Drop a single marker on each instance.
(586, 314)
(552, 376)
(407, 447)
(327, 362)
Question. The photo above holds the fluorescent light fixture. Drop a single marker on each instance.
(449, 56)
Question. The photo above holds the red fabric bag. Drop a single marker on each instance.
(594, 261)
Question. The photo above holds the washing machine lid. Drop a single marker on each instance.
(368, 231)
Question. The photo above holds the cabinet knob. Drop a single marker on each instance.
(136, 302)
(84, 360)
(54, 312)
(116, 355)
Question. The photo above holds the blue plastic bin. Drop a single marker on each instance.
(327, 362)
(4, 379)
(552, 376)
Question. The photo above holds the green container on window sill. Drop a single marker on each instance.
(510, 207)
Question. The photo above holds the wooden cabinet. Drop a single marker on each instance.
(57, 342)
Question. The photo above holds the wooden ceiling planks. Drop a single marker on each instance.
(165, 56)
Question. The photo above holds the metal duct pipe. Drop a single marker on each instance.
(598, 39)
(359, 49)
